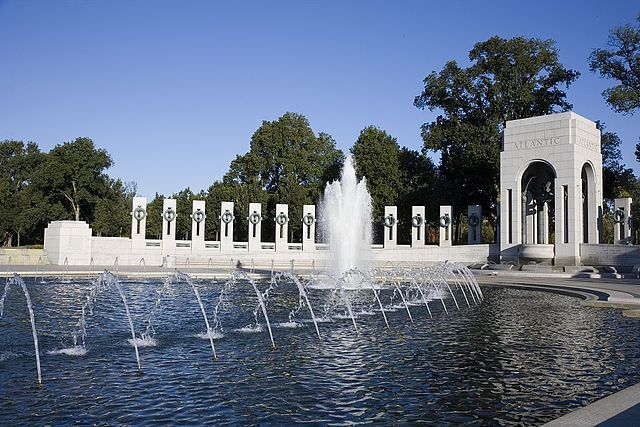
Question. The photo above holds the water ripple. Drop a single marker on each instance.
(522, 357)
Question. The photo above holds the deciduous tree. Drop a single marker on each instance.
(507, 79)
(74, 175)
(22, 210)
(286, 163)
(620, 61)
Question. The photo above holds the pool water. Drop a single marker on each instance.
(520, 357)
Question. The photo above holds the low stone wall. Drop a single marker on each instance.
(21, 256)
(623, 256)
(71, 241)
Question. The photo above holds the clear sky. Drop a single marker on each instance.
(175, 89)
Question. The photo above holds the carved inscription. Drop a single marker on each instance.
(588, 143)
(536, 142)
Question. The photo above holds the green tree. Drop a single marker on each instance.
(419, 184)
(507, 79)
(112, 214)
(74, 175)
(154, 217)
(22, 210)
(286, 163)
(377, 157)
(620, 61)
(618, 180)
(184, 202)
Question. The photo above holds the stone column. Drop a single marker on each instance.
(622, 221)
(282, 227)
(417, 226)
(226, 226)
(255, 222)
(445, 221)
(309, 228)
(474, 222)
(198, 217)
(390, 230)
(138, 222)
(545, 224)
(169, 215)
(530, 218)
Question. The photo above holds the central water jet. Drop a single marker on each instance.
(346, 213)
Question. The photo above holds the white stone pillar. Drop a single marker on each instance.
(417, 226)
(445, 222)
(138, 222)
(169, 215)
(226, 226)
(309, 228)
(545, 224)
(622, 221)
(198, 216)
(390, 230)
(282, 227)
(530, 219)
(255, 223)
(474, 223)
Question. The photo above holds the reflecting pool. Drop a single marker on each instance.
(520, 356)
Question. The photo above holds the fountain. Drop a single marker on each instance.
(17, 280)
(346, 215)
(103, 282)
(348, 292)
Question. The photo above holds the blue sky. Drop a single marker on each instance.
(175, 89)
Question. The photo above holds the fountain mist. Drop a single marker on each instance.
(346, 213)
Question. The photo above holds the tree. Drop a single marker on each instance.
(419, 185)
(377, 157)
(620, 61)
(184, 202)
(617, 179)
(154, 217)
(112, 215)
(73, 175)
(286, 163)
(507, 79)
(22, 210)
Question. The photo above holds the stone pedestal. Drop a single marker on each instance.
(169, 216)
(68, 240)
(390, 229)
(282, 227)
(198, 216)
(445, 222)
(474, 223)
(417, 226)
(309, 228)
(138, 222)
(622, 221)
(255, 227)
(226, 226)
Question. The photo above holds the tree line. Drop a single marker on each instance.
(288, 162)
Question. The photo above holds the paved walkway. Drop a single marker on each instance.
(620, 409)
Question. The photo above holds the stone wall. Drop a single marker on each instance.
(623, 256)
(72, 241)
(21, 256)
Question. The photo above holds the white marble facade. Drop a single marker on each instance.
(550, 162)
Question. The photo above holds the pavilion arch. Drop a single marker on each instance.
(537, 190)
(589, 206)
(550, 188)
